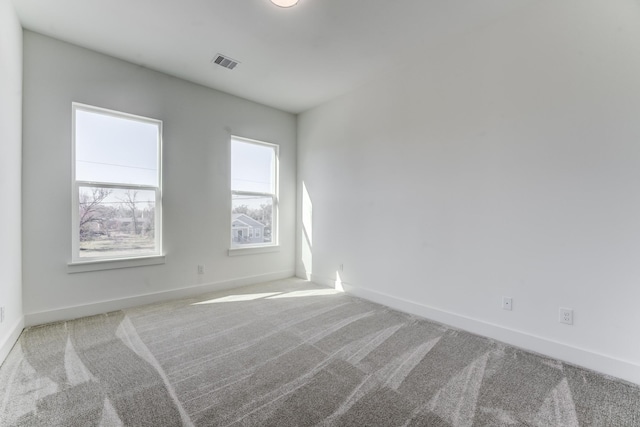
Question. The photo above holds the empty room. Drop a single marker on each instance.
(320, 212)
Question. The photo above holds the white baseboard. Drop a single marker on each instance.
(10, 340)
(607, 365)
(75, 312)
(319, 280)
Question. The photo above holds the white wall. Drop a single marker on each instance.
(506, 162)
(196, 204)
(10, 176)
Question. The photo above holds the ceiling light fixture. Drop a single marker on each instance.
(284, 3)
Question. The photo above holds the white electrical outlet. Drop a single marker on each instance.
(201, 269)
(507, 303)
(566, 316)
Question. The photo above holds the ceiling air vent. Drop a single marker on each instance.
(225, 61)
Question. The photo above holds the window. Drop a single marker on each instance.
(116, 185)
(254, 193)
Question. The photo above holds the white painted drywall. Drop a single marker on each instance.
(506, 162)
(196, 200)
(10, 175)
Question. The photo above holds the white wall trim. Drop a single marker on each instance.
(112, 264)
(11, 339)
(68, 313)
(318, 280)
(602, 363)
(253, 250)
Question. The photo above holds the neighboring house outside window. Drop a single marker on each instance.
(246, 229)
(117, 199)
(254, 193)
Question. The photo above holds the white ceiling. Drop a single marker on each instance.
(292, 59)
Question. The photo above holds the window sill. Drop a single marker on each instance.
(253, 250)
(111, 264)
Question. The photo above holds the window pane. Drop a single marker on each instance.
(116, 222)
(251, 220)
(116, 149)
(252, 167)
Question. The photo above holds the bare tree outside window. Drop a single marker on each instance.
(92, 213)
(129, 202)
(116, 221)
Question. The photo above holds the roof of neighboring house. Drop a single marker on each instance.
(246, 219)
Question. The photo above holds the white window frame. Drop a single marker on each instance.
(274, 243)
(151, 258)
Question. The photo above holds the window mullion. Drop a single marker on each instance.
(251, 193)
(116, 185)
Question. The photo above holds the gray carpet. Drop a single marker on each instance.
(290, 353)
